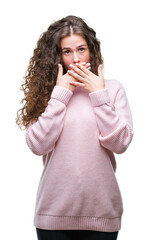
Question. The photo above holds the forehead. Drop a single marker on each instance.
(73, 40)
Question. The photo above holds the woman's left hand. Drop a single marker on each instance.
(86, 79)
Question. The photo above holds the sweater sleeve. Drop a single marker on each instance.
(113, 118)
(42, 135)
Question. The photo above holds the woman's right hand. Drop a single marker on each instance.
(64, 80)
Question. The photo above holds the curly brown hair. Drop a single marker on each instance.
(42, 71)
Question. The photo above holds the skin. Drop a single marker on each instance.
(76, 57)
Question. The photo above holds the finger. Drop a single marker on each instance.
(88, 65)
(60, 71)
(78, 71)
(76, 76)
(82, 68)
(83, 63)
(77, 84)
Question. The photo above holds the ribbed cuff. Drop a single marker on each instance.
(62, 94)
(99, 97)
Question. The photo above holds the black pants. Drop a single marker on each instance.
(75, 235)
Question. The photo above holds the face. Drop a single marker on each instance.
(74, 50)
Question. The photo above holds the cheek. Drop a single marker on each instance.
(87, 57)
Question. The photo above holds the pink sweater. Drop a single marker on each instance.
(77, 135)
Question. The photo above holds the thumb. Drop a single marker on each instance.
(100, 73)
(60, 71)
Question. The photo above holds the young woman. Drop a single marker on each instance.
(76, 120)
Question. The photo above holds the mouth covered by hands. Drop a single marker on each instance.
(85, 78)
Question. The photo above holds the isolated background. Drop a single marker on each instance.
(125, 31)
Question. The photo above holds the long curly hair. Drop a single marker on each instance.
(41, 75)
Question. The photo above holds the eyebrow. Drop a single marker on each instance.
(82, 45)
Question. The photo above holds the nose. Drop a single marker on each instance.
(76, 58)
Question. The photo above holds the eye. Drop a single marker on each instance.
(82, 49)
(66, 52)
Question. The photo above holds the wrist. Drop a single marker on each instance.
(97, 89)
